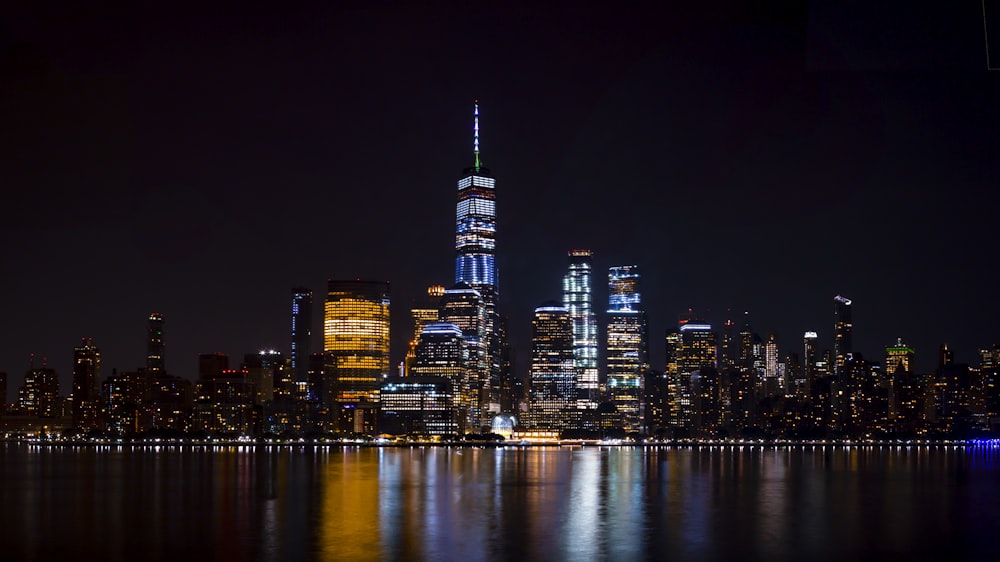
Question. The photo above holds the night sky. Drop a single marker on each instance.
(202, 161)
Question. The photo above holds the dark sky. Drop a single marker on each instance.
(201, 161)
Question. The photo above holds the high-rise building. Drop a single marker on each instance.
(264, 369)
(442, 352)
(475, 258)
(698, 387)
(302, 304)
(39, 397)
(422, 315)
(155, 360)
(86, 390)
(809, 356)
(578, 299)
(627, 353)
(356, 337)
(896, 356)
(464, 307)
(842, 328)
(553, 371)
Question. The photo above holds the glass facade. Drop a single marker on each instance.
(553, 372)
(627, 353)
(578, 300)
(356, 340)
(442, 352)
(475, 264)
(421, 405)
(465, 308)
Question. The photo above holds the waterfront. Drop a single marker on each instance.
(542, 503)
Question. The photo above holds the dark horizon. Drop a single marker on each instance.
(200, 162)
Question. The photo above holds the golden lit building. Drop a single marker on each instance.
(422, 316)
(356, 339)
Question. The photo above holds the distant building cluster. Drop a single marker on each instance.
(457, 377)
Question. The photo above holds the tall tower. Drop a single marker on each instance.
(475, 254)
(154, 345)
(578, 300)
(86, 374)
(627, 345)
(302, 300)
(356, 337)
(841, 333)
(553, 370)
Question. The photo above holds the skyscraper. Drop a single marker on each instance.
(553, 372)
(356, 336)
(442, 352)
(627, 344)
(422, 314)
(86, 391)
(475, 256)
(578, 299)
(155, 360)
(302, 302)
(465, 307)
(699, 389)
(842, 328)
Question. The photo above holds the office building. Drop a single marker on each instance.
(475, 261)
(842, 328)
(155, 348)
(578, 299)
(86, 388)
(442, 352)
(418, 405)
(302, 305)
(465, 308)
(356, 339)
(553, 403)
(627, 353)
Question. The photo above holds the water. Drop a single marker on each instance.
(584, 503)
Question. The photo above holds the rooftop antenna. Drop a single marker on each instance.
(475, 135)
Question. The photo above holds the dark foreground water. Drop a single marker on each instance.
(725, 503)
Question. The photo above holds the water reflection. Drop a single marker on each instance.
(436, 503)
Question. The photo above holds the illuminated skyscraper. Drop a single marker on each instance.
(86, 390)
(578, 299)
(842, 328)
(475, 258)
(356, 337)
(553, 372)
(442, 352)
(422, 315)
(627, 345)
(155, 360)
(696, 365)
(302, 303)
(464, 307)
(896, 356)
(39, 397)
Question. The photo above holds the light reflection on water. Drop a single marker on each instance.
(544, 503)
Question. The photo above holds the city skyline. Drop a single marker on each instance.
(627, 163)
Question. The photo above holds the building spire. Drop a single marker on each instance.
(475, 135)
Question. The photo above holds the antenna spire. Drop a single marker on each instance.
(475, 135)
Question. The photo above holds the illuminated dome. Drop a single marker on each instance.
(503, 425)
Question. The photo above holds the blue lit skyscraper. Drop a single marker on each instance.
(475, 225)
(475, 260)
(628, 344)
(578, 300)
